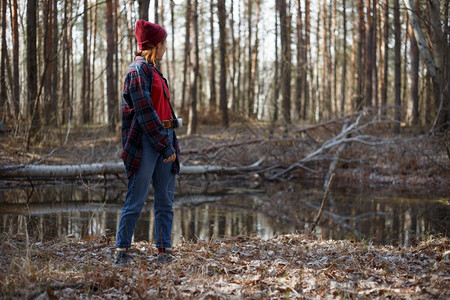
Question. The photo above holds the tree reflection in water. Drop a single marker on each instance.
(55, 212)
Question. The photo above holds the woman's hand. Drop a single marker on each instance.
(170, 158)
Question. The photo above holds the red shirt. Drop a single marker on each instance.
(159, 100)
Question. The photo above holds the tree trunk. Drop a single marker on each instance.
(334, 29)
(212, 69)
(361, 55)
(32, 99)
(374, 54)
(16, 75)
(94, 105)
(369, 56)
(285, 28)
(172, 22)
(192, 125)
(440, 53)
(397, 64)
(300, 62)
(114, 168)
(110, 86)
(143, 9)
(223, 70)
(3, 88)
(385, 57)
(414, 56)
(276, 80)
(249, 51)
(324, 98)
(307, 59)
(54, 99)
(344, 59)
(47, 51)
(85, 68)
(156, 12)
(187, 51)
(254, 62)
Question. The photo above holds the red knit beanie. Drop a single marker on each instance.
(148, 35)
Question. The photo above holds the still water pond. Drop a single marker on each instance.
(382, 217)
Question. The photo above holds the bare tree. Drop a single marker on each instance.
(110, 84)
(85, 81)
(3, 91)
(143, 9)
(361, 55)
(192, 125)
(212, 69)
(300, 62)
(397, 64)
(369, 55)
(32, 96)
(414, 56)
(285, 28)
(15, 58)
(222, 42)
(55, 65)
(187, 51)
(307, 59)
(435, 60)
(344, 59)
(385, 55)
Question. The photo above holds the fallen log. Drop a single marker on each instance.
(114, 168)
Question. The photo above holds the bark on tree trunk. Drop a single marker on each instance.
(110, 86)
(212, 69)
(116, 168)
(192, 125)
(385, 57)
(143, 9)
(361, 56)
(300, 63)
(286, 61)
(223, 91)
(54, 99)
(344, 60)
(307, 59)
(414, 56)
(187, 51)
(16, 75)
(397, 63)
(32, 99)
(276, 79)
(3, 89)
(85, 68)
(369, 56)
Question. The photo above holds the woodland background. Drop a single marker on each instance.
(305, 61)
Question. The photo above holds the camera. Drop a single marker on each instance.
(177, 123)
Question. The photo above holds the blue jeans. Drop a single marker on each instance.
(153, 168)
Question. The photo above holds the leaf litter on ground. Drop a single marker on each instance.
(284, 266)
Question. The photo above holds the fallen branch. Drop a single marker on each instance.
(324, 201)
(62, 171)
(340, 139)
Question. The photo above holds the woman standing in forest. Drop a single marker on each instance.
(150, 147)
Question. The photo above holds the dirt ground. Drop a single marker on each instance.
(286, 266)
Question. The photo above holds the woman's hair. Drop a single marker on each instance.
(149, 54)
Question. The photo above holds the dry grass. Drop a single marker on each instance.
(286, 266)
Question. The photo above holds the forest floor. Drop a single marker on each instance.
(286, 266)
(413, 161)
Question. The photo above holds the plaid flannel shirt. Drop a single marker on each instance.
(139, 117)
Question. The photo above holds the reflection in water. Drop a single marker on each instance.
(65, 211)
